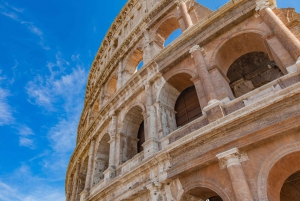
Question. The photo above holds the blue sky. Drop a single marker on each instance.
(46, 50)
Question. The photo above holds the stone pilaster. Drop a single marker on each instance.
(151, 142)
(75, 181)
(120, 151)
(147, 48)
(181, 4)
(88, 180)
(102, 97)
(120, 72)
(159, 128)
(110, 172)
(285, 36)
(155, 191)
(232, 160)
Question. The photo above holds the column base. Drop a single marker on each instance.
(214, 110)
(109, 174)
(150, 147)
(294, 68)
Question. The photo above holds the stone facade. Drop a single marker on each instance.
(238, 142)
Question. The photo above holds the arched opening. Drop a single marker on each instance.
(168, 31)
(111, 88)
(141, 137)
(133, 64)
(284, 179)
(251, 71)
(175, 34)
(187, 106)
(291, 188)
(247, 63)
(139, 66)
(133, 130)
(178, 103)
(82, 178)
(94, 111)
(101, 159)
(201, 193)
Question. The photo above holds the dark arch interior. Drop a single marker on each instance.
(141, 138)
(205, 194)
(251, 71)
(214, 198)
(291, 188)
(187, 106)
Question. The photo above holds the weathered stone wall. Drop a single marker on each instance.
(225, 153)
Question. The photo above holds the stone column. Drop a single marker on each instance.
(102, 97)
(232, 160)
(181, 4)
(203, 73)
(155, 191)
(159, 129)
(75, 180)
(286, 37)
(110, 172)
(147, 48)
(120, 72)
(151, 142)
(88, 179)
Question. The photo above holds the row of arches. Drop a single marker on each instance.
(244, 61)
(165, 34)
(181, 97)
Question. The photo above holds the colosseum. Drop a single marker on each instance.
(212, 116)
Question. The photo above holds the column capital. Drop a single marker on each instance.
(262, 4)
(178, 2)
(231, 157)
(196, 47)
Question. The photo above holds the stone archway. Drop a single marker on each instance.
(166, 28)
(101, 159)
(132, 133)
(279, 167)
(251, 71)
(132, 63)
(168, 101)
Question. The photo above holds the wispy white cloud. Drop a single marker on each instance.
(26, 137)
(28, 188)
(11, 15)
(62, 92)
(27, 142)
(17, 14)
(6, 111)
(19, 10)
